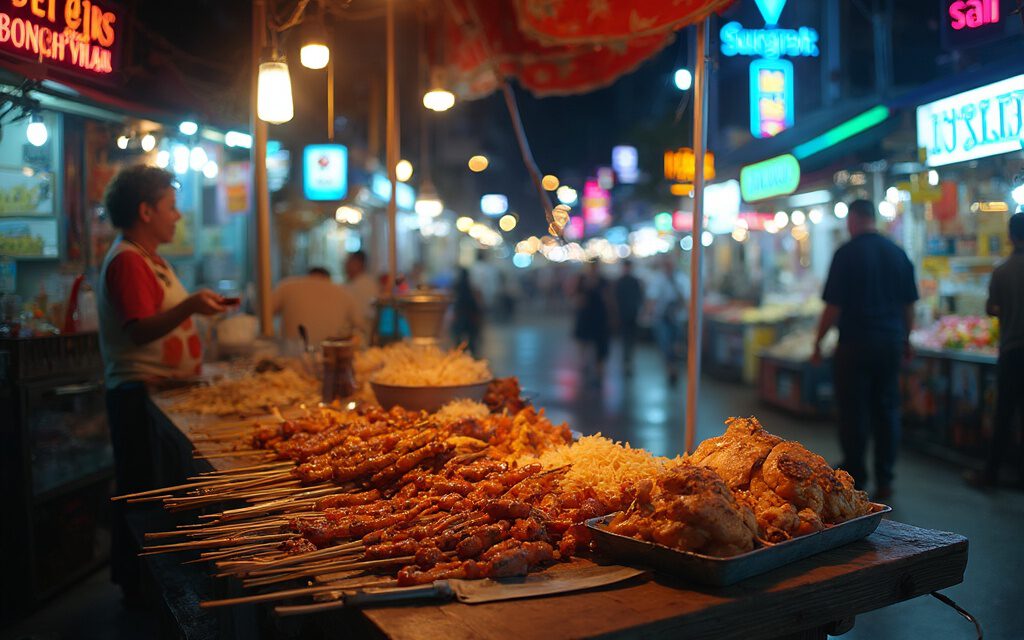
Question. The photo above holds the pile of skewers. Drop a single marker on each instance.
(365, 498)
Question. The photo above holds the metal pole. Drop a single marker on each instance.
(258, 159)
(700, 116)
(391, 152)
(330, 98)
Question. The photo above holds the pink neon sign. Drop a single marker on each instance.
(971, 14)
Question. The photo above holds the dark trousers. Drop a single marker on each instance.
(867, 384)
(132, 435)
(1009, 407)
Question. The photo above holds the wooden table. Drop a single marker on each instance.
(807, 599)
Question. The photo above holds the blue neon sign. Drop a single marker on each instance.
(768, 43)
(771, 97)
(325, 172)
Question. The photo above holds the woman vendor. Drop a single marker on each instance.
(146, 334)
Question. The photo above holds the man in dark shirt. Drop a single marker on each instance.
(870, 294)
(1006, 302)
(629, 298)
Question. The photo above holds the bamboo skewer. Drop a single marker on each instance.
(267, 597)
(205, 544)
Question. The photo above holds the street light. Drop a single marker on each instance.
(274, 93)
(683, 79)
(403, 170)
(36, 132)
(314, 54)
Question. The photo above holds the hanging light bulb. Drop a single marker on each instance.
(274, 93)
(36, 132)
(438, 98)
(314, 54)
(210, 169)
(403, 170)
(122, 142)
(148, 142)
(188, 128)
(197, 158)
(429, 202)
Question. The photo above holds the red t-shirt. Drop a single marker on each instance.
(134, 292)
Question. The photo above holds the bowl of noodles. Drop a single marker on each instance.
(425, 378)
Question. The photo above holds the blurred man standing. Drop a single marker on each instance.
(1006, 302)
(870, 295)
(629, 298)
(363, 288)
(324, 308)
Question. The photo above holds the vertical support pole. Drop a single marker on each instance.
(693, 343)
(258, 159)
(330, 98)
(391, 151)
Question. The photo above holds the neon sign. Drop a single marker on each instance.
(768, 43)
(981, 122)
(325, 171)
(973, 13)
(771, 97)
(596, 205)
(776, 176)
(681, 165)
(74, 34)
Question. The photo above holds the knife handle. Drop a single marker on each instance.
(438, 589)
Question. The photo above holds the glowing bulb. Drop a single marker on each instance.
(163, 158)
(686, 244)
(739, 234)
(933, 178)
(314, 55)
(815, 215)
(781, 219)
(464, 224)
(148, 142)
(841, 209)
(197, 158)
(210, 170)
(238, 139)
(798, 217)
(274, 93)
(522, 260)
(348, 215)
(188, 128)
(478, 163)
(403, 170)
(887, 209)
(1018, 194)
(566, 195)
(439, 99)
(706, 238)
(892, 194)
(507, 222)
(181, 158)
(122, 142)
(549, 182)
(683, 79)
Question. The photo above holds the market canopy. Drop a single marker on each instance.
(557, 48)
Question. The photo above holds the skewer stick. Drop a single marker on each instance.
(297, 558)
(241, 453)
(237, 470)
(216, 542)
(267, 597)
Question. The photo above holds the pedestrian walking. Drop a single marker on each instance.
(667, 304)
(593, 320)
(467, 312)
(1006, 302)
(870, 294)
(629, 300)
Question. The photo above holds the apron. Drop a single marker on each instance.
(179, 354)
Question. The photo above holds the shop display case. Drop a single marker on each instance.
(57, 465)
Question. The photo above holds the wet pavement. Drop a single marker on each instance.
(645, 411)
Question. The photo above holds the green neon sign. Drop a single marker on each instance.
(837, 134)
(774, 177)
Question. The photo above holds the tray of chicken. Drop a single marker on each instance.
(743, 504)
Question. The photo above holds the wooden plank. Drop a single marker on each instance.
(896, 563)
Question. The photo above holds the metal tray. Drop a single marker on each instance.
(720, 572)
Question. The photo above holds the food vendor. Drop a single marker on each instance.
(146, 334)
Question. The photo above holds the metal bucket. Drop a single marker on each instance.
(424, 310)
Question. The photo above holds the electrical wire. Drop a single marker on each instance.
(946, 600)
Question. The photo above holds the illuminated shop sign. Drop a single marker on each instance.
(777, 176)
(681, 165)
(967, 23)
(981, 122)
(325, 172)
(624, 162)
(771, 97)
(768, 43)
(75, 35)
(596, 205)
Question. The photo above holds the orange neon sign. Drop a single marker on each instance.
(80, 35)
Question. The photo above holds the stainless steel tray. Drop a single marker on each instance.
(724, 571)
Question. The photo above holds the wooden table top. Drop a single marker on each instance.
(897, 562)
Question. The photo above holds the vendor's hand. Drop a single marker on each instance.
(816, 356)
(206, 302)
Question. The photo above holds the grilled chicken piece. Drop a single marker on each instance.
(737, 453)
